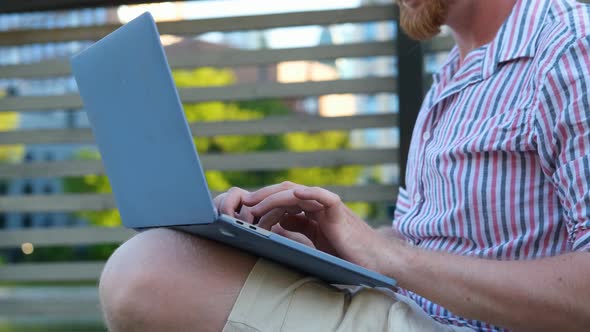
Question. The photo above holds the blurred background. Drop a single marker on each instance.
(319, 92)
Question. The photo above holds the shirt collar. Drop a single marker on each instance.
(517, 38)
(449, 67)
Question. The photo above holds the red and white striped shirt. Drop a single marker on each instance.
(499, 164)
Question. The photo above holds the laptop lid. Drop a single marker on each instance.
(140, 129)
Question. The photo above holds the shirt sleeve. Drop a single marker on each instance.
(402, 204)
(562, 130)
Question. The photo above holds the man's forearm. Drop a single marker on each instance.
(545, 294)
(386, 231)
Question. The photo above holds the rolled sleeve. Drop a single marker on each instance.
(402, 204)
(582, 238)
(573, 180)
(563, 137)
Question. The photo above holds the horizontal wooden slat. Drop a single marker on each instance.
(248, 91)
(47, 68)
(49, 302)
(60, 312)
(230, 58)
(71, 236)
(225, 162)
(266, 126)
(64, 310)
(57, 203)
(99, 202)
(50, 272)
(195, 27)
(224, 58)
(50, 169)
(47, 5)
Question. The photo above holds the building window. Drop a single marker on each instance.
(47, 188)
(27, 221)
(28, 188)
(28, 157)
(49, 156)
(46, 221)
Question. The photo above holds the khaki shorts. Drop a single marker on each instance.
(275, 298)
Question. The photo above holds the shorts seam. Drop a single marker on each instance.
(288, 309)
(301, 283)
(244, 324)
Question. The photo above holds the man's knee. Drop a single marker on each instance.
(163, 280)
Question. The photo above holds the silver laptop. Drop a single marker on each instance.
(149, 156)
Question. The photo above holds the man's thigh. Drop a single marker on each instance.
(278, 299)
(163, 280)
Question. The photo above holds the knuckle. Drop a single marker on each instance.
(299, 186)
(234, 190)
(336, 198)
(287, 184)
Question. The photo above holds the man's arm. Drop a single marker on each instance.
(386, 231)
(549, 294)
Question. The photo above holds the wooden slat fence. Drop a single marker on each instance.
(89, 271)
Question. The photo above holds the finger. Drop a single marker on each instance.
(262, 193)
(300, 224)
(271, 218)
(287, 201)
(232, 201)
(326, 198)
(276, 215)
(217, 201)
(297, 237)
(245, 214)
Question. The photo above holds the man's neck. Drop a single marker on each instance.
(476, 23)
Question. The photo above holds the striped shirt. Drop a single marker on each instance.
(499, 163)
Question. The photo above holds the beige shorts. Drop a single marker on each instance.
(275, 298)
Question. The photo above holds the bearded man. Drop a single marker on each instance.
(492, 232)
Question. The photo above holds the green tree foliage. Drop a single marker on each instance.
(12, 153)
(9, 121)
(223, 111)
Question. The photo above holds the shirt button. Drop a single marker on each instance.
(426, 136)
(417, 198)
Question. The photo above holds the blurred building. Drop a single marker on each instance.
(313, 71)
(24, 54)
(378, 66)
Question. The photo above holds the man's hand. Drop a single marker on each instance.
(316, 217)
(310, 215)
(231, 204)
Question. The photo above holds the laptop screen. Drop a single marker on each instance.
(140, 129)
